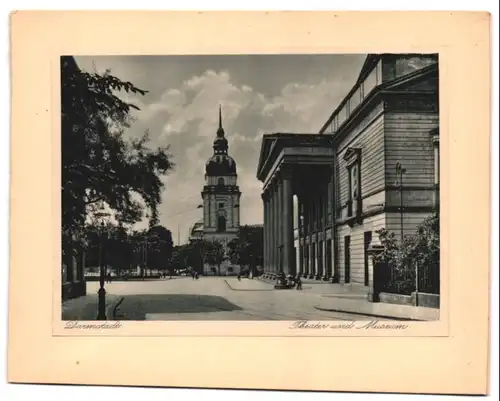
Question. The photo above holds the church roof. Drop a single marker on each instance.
(220, 165)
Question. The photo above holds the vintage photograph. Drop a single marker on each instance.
(277, 187)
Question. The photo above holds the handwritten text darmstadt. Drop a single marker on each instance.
(92, 326)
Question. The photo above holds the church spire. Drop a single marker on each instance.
(220, 131)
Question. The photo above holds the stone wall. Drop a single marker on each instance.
(74, 290)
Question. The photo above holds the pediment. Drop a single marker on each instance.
(352, 154)
(265, 150)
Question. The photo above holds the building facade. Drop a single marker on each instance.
(374, 164)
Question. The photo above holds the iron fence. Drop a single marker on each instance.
(429, 278)
(409, 278)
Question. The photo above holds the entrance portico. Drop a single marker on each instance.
(300, 166)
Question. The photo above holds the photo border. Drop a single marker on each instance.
(40, 37)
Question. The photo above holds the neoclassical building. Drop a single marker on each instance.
(221, 196)
(326, 194)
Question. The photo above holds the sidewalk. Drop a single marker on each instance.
(359, 306)
(85, 308)
(353, 299)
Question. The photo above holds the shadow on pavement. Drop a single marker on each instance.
(82, 308)
(135, 307)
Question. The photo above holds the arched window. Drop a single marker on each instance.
(220, 181)
(221, 224)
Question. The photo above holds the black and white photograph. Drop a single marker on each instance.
(252, 187)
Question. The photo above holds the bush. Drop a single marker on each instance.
(400, 260)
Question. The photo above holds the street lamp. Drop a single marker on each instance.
(400, 171)
(145, 256)
(101, 310)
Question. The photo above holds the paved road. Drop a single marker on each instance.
(215, 298)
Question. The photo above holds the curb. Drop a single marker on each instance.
(112, 309)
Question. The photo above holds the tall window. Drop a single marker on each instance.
(354, 189)
(221, 224)
(220, 181)
(353, 165)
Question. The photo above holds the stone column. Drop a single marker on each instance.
(264, 206)
(279, 228)
(288, 240)
(316, 257)
(325, 264)
(305, 254)
(268, 232)
(301, 240)
(286, 229)
(273, 225)
(312, 258)
(319, 258)
(299, 269)
(305, 233)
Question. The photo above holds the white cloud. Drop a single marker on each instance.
(189, 118)
(182, 110)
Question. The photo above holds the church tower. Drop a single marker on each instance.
(221, 194)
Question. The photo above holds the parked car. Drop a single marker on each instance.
(182, 272)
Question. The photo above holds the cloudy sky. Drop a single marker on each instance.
(258, 94)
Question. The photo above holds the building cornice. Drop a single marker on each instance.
(289, 146)
(374, 95)
(226, 190)
(383, 209)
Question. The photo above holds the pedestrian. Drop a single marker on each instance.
(298, 283)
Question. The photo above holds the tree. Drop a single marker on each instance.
(184, 256)
(177, 258)
(247, 249)
(118, 249)
(98, 165)
(213, 253)
(160, 247)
